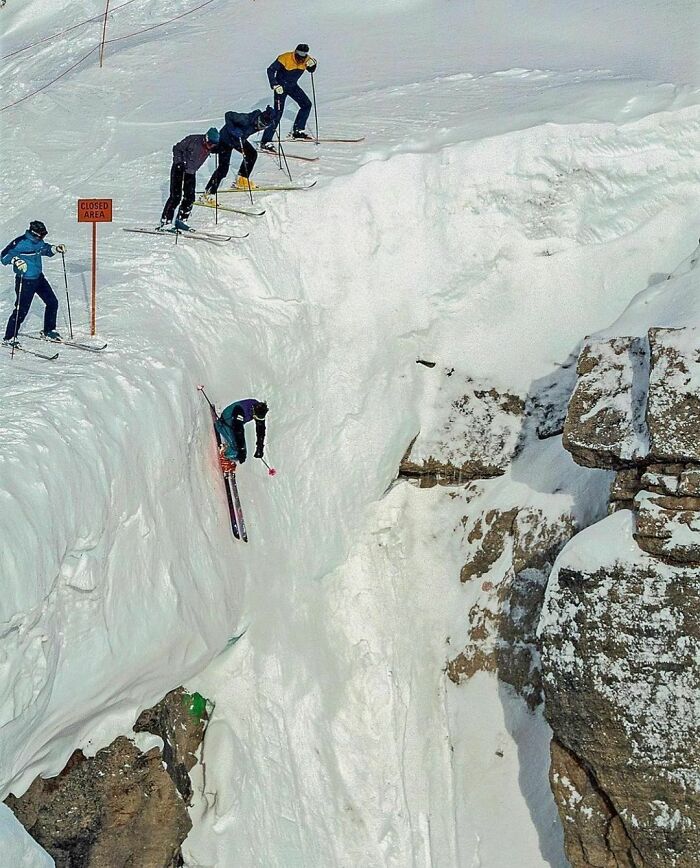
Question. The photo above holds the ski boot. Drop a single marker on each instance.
(164, 226)
(12, 342)
(181, 226)
(52, 335)
(302, 135)
(245, 184)
(268, 146)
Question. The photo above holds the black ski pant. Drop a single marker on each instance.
(182, 187)
(304, 103)
(25, 290)
(223, 161)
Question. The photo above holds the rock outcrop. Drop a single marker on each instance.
(515, 549)
(620, 629)
(121, 808)
(477, 440)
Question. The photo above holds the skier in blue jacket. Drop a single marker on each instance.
(283, 75)
(24, 255)
(189, 155)
(230, 426)
(233, 136)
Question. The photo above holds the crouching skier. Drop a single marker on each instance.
(230, 426)
(189, 155)
(24, 254)
(233, 136)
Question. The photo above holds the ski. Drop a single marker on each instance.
(90, 348)
(196, 234)
(290, 156)
(325, 141)
(237, 504)
(229, 208)
(270, 188)
(234, 505)
(35, 353)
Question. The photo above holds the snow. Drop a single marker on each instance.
(525, 170)
(18, 849)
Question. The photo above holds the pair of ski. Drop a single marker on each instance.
(247, 212)
(232, 499)
(305, 159)
(195, 234)
(76, 345)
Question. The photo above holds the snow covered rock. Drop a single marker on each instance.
(127, 804)
(668, 526)
(513, 551)
(605, 422)
(475, 439)
(620, 635)
(673, 410)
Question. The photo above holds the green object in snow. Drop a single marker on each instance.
(196, 705)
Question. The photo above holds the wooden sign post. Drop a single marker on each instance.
(94, 211)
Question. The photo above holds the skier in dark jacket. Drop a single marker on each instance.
(283, 75)
(24, 254)
(230, 426)
(189, 155)
(233, 136)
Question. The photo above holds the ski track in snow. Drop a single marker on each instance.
(335, 740)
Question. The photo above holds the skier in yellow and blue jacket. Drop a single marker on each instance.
(283, 75)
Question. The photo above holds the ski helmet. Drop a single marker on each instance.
(260, 410)
(36, 227)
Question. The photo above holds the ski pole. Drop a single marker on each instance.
(65, 280)
(247, 169)
(216, 194)
(17, 303)
(283, 156)
(206, 397)
(270, 470)
(313, 92)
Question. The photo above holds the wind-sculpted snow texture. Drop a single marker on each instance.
(501, 208)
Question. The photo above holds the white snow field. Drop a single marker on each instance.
(527, 170)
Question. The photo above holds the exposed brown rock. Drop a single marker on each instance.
(605, 424)
(120, 808)
(619, 650)
(596, 837)
(477, 440)
(668, 527)
(503, 622)
(673, 406)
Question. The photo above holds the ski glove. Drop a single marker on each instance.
(311, 67)
(59, 248)
(278, 89)
(19, 264)
(258, 452)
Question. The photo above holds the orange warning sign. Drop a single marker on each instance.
(94, 210)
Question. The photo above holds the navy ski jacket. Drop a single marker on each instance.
(191, 152)
(238, 127)
(230, 427)
(287, 69)
(29, 248)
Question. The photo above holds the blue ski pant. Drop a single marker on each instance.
(233, 437)
(301, 99)
(25, 290)
(223, 161)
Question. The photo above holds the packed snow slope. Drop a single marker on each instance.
(522, 177)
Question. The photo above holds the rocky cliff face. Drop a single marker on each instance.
(621, 624)
(123, 807)
(509, 534)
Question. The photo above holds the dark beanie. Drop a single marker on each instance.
(302, 49)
